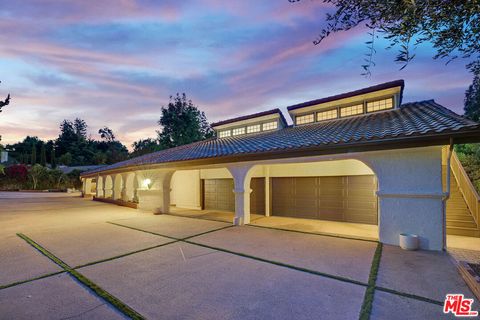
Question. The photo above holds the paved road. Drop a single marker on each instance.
(170, 267)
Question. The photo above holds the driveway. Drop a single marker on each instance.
(70, 258)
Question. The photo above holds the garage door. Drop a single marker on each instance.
(346, 198)
(218, 194)
(257, 197)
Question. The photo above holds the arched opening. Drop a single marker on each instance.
(335, 196)
(108, 187)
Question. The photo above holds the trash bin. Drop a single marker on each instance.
(408, 241)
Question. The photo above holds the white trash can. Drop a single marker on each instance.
(408, 241)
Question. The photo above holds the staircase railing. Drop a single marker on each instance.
(470, 194)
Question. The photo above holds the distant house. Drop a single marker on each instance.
(362, 157)
(3, 156)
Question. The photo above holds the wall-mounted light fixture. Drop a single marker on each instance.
(146, 183)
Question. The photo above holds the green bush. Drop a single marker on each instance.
(41, 178)
(469, 156)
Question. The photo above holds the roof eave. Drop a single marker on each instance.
(434, 139)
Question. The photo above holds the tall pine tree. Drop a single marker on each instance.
(43, 155)
(34, 154)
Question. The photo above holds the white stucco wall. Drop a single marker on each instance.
(410, 194)
(186, 189)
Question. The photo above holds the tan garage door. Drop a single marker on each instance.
(219, 194)
(347, 198)
(257, 197)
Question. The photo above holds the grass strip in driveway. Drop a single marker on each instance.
(115, 302)
(5, 286)
(277, 263)
(411, 296)
(372, 279)
(315, 233)
(123, 255)
(164, 235)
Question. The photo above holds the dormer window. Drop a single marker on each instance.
(253, 129)
(224, 134)
(351, 110)
(377, 105)
(308, 118)
(327, 115)
(238, 131)
(269, 126)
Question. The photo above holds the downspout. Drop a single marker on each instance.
(446, 194)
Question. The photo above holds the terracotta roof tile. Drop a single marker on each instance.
(411, 119)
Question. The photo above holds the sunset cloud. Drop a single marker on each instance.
(115, 63)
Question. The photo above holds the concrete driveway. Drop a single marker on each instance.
(111, 260)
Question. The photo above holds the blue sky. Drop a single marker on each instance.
(116, 62)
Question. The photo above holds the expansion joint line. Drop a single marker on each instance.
(367, 304)
(106, 296)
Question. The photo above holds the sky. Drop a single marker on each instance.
(116, 62)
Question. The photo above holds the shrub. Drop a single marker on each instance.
(17, 172)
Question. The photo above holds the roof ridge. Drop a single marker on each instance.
(377, 87)
(249, 116)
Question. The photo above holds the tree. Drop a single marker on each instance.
(144, 146)
(4, 102)
(182, 123)
(34, 154)
(107, 134)
(36, 173)
(472, 100)
(53, 159)
(43, 155)
(80, 128)
(453, 27)
(66, 159)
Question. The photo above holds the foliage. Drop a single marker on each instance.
(107, 134)
(34, 154)
(4, 102)
(453, 27)
(36, 173)
(38, 177)
(43, 155)
(469, 156)
(472, 99)
(182, 123)
(144, 146)
(53, 159)
(66, 159)
(17, 171)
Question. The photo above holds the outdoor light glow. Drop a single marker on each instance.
(146, 183)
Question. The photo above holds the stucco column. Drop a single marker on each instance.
(241, 178)
(100, 183)
(267, 191)
(87, 186)
(135, 188)
(155, 196)
(123, 192)
(410, 194)
(107, 190)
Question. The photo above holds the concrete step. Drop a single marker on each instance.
(466, 232)
(461, 224)
(466, 218)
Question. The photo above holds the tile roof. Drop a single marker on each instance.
(378, 87)
(252, 116)
(414, 119)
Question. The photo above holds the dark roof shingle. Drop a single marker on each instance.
(411, 119)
